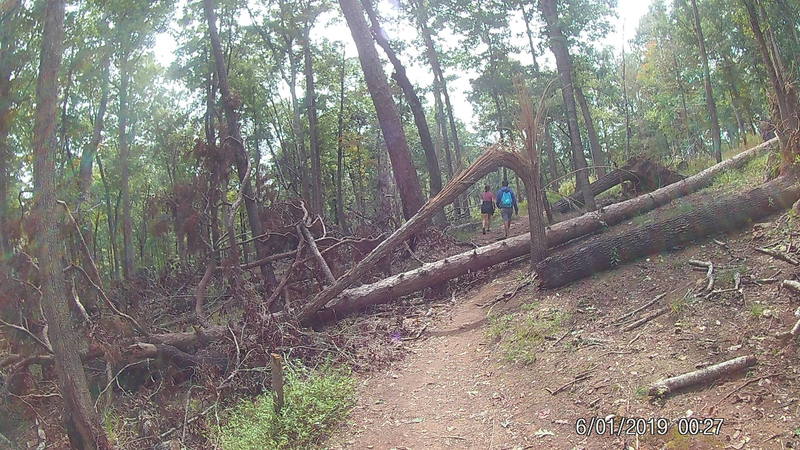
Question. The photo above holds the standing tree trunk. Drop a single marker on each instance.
(313, 127)
(7, 18)
(533, 182)
(234, 140)
(444, 109)
(399, 75)
(341, 218)
(785, 96)
(712, 106)
(526, 17)
(88, 155)
(552, 159)
(124, 163)
(81, 421)
(598, 158)
(405, 174)
(558, 45)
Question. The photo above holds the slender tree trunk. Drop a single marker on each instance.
(411, 97)
(399, 75)
(598, 157)
(552, 159)
(441, 126)
(402, 166)
(341, 218)
(682, 92)
(313, 127)
(785, 96)
(440, 85)
(297, 130)
(5, 128)
(111, 219)
(558, 44)
(710, 103)
(124, 163)
(81, 420)
(88, 155)
(234, 140)
(526, 17)
(625, 104)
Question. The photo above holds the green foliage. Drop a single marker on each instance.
(522, 334)
(315, 402)
(757, 309)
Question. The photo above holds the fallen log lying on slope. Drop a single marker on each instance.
(727, 213)
(435, 273)
(670, 385)
(645, 175)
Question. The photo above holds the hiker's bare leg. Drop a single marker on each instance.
(508, 225)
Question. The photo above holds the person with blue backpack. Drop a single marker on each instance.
(507, 202)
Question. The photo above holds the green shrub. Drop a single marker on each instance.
(315, 402)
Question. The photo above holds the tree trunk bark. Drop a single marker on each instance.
(236, 143)
(341, 218)
(526, 17)
(399, 75)
(552, 159)
(402, 165)
(313, 128)
(81, 421)
(435, 273)
(88, 155)
(598, 157)
(124, 163)
(444, 110)
(785, 97)
(710, 103)
(558, 44)
(6, 40)
(721, 215)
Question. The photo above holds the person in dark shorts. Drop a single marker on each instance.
(507, 202)
(487, 208)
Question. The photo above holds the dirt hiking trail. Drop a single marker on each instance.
(517, 373)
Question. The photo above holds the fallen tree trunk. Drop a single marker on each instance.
(727, 213)
(670, 385)
(437, 272)
(645, 175)
(489, 161)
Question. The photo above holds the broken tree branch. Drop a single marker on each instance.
(323, 265)
(778, 255)
(670, 385)
(791, 285)
(641, 308)
(646, 319)
(709, 266)
(95, 279)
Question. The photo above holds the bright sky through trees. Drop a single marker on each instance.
(628, 14)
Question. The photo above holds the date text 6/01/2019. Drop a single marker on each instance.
(629, 426)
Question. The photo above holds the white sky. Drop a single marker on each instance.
(333, 28)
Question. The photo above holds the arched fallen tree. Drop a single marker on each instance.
(492, 159)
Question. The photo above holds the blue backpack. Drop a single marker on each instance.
(506, 199)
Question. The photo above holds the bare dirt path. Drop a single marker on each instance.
(445, 395)
(455, 391)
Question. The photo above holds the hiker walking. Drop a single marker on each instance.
(507, 201)
(487, 208)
